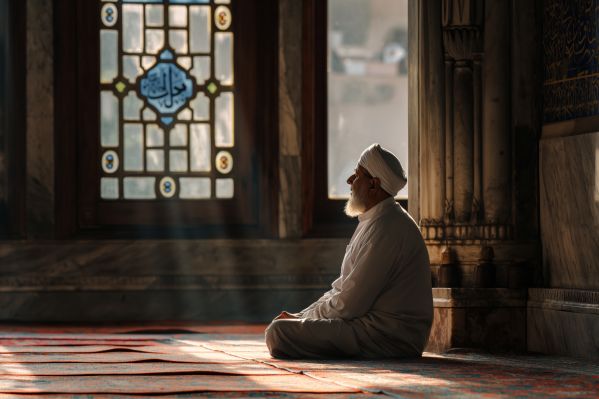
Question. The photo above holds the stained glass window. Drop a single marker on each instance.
(166, 100)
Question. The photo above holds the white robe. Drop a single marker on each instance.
(384, 290)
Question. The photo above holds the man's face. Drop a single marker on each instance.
(360, 182)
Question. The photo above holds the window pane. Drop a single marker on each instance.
(200, 147)
(199, 28)
(133, 28)
(367, 84)
(224, 188)
(155, 160)
(109, 119)
(133, 137)
(109, 188)
(223, 57)
(108, 55)
(178, 136)
(194, 187)
(139, 187)
(178, 161)
(224, 120)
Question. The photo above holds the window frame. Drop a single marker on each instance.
(13, 128)
(75, 215)
(322, 216)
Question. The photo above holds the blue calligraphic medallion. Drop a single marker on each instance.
(166, 87)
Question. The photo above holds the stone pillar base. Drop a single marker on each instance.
(492, 319)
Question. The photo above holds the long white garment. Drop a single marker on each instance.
(385, 281)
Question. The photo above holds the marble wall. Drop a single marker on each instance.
(570, 211)
(563, 314)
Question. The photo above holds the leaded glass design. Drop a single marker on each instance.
(167, 94)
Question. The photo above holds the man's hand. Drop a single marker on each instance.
(286, 315)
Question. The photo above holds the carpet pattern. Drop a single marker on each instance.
(232, 361)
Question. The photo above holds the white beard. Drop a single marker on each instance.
(354, 206)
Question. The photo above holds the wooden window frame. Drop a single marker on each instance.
(322, 217)
(70, 116)
(12, 212)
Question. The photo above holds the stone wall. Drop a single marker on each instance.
(563, 317)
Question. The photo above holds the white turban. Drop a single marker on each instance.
(381, 163)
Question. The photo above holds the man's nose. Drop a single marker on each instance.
(351, 179)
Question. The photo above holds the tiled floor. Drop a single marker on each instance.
(186, 361)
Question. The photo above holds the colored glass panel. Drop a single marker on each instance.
(109, 188)
(201, 107)
(154, 135)
(110, 162)
(185, 115)
(199, 29)
(109, 14)
(224, 120)
(224, 188)
(201, 69)
(133, 24)
(132, 106)
(131, 67)
(148, 115)
(178, 135)
(222, 17)
(109, 119)
(133, 146)
(177, 16)
(166, 87)
(194, 188)
(224, 162)
(178, 160)
(178, 40)
(185, 62)
(139, 187)
(199, 143)
(223, 57)
(154, 15)
(168, 187)
(108, 55)
(154, 40)
(155, 160)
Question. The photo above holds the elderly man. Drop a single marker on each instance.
(381, 304)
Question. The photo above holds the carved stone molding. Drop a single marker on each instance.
(441, 231)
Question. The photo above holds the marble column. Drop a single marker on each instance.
(431, 154)
(461, 21)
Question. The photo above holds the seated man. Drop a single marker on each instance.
(381, 305)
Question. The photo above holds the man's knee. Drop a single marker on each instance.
(274, 338)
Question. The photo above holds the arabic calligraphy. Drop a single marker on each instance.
(166, 87)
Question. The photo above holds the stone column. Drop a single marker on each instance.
(462, 40)
(431, 154)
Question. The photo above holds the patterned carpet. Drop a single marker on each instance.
(233, 362)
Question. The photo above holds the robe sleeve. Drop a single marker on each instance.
(320, 300)
(373, 264)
